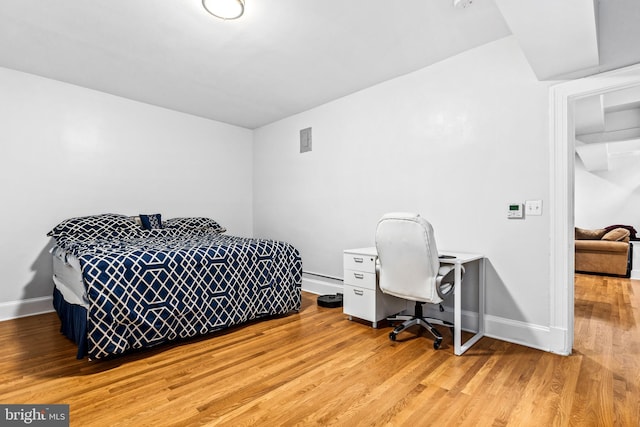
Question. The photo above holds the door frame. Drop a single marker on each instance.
(562, 187)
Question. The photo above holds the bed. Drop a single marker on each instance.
(124, 283)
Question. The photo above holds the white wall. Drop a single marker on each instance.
(69, 151)
(457, 142)
(608, 197)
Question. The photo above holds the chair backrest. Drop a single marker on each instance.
(408, 257)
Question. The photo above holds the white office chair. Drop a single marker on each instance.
(409, 268)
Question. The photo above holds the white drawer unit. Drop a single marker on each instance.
(358, 261)
(362, 297)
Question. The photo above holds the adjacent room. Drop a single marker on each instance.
(606, 182)
(183, 180)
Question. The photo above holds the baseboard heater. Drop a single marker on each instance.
(324, 276)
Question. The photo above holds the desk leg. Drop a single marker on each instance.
(460, 348)
(481, 297)
(457, 310)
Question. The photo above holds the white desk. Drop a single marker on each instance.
(373, 313)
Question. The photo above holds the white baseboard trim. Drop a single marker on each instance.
(23, 308)
(527, 334)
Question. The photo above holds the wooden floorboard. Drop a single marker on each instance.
(317, 368)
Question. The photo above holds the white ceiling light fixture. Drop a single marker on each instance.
(461, 4)
(224, 9)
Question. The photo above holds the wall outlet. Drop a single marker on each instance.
(533, 207)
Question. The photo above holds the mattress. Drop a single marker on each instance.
(67, 276)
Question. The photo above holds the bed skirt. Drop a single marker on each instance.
(73, 322)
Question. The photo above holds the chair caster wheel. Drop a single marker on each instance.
(392, 336)
(436, 344)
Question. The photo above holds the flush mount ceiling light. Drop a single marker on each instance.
(460, 4)
(224, 9)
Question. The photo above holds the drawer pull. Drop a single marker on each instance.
(358, 275)
(358, 292)
(358, 260)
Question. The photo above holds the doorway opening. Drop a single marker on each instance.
(562, 165)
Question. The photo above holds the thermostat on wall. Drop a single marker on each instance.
(516, 210)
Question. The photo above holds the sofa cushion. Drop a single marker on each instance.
(632, 231)
(584, 234)
(617, 235)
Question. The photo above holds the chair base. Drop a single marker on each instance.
(419, 319)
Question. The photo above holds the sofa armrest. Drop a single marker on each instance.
(604, 246)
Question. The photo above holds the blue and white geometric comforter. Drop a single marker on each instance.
(164, 284)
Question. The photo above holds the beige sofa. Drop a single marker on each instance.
(602, 252)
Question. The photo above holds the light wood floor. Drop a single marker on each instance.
(317, 368)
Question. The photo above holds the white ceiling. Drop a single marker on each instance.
(607, 129)
(558, 37)
(283, 56)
